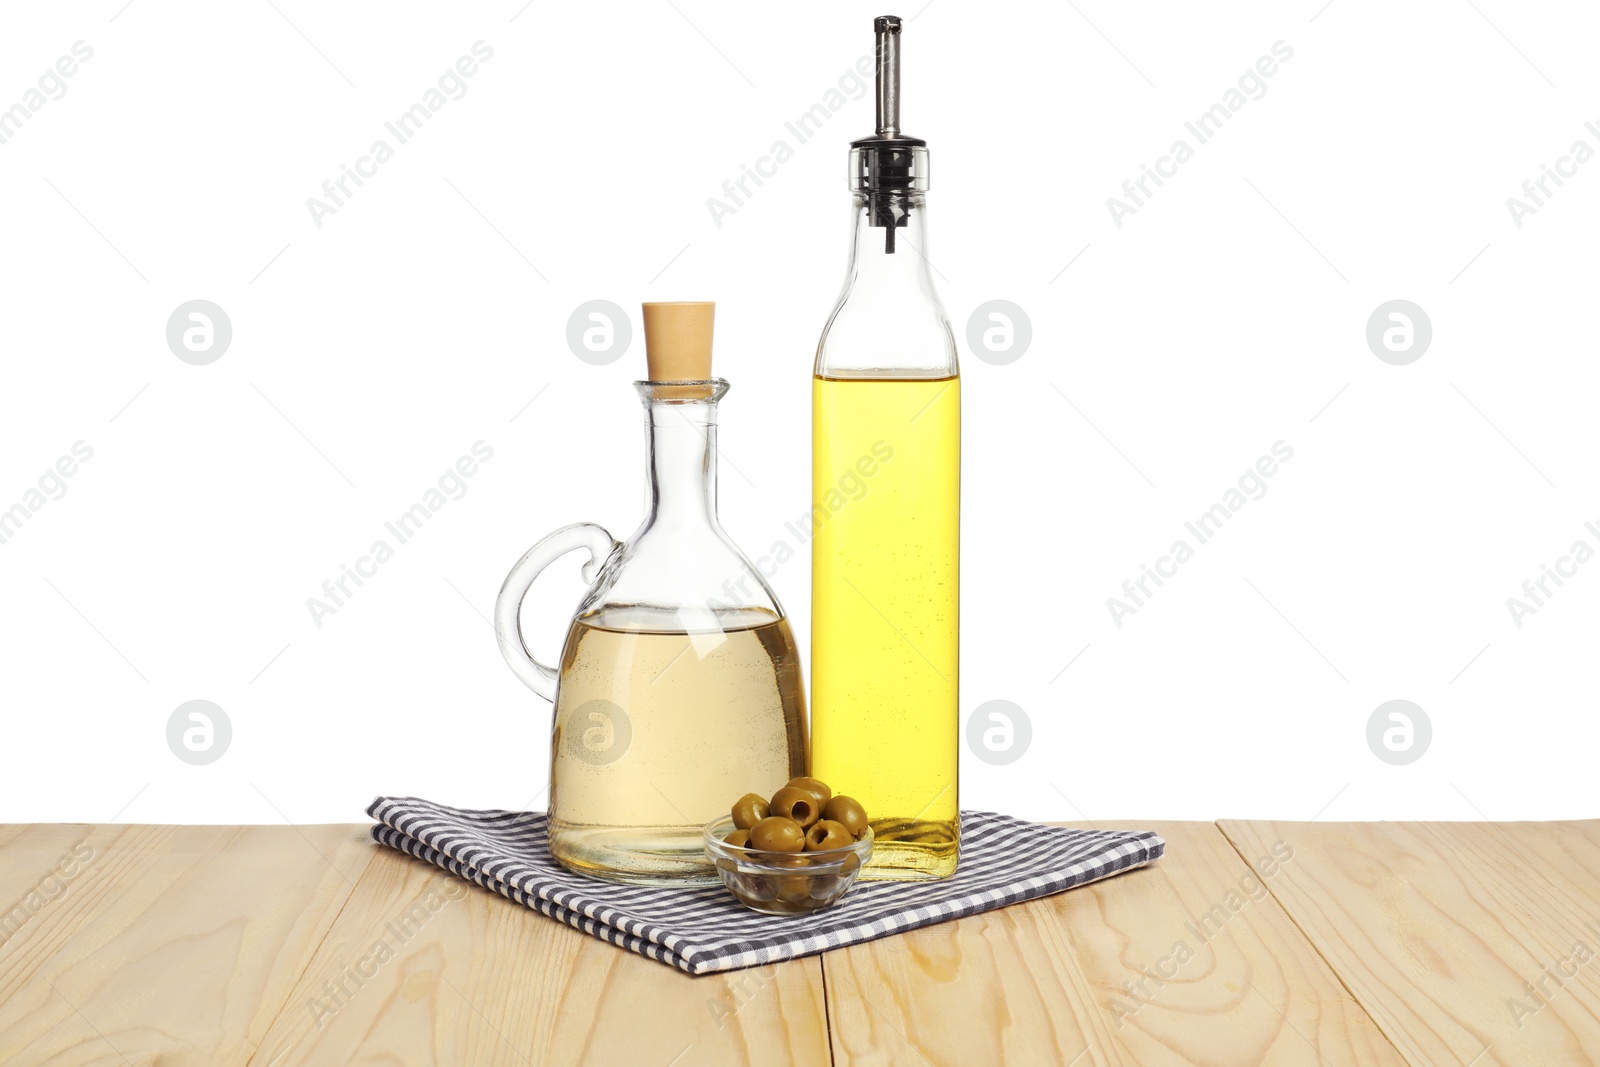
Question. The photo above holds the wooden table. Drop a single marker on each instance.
(1250, 942)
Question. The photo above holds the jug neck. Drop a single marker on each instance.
(680, 421)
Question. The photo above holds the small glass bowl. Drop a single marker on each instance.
(785, 883)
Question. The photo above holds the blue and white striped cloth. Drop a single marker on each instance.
(703, 929)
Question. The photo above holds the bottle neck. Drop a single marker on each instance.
(889, 247)
(889, 322)
(681, 454)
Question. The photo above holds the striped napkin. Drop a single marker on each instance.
(703, 929)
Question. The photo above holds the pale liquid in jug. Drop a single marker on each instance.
(658, 731)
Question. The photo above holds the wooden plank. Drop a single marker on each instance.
(1187, 962)
(423, 968)
(40, 864)
(1459, 938)
(167, 944)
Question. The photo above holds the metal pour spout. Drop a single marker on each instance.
(888, 168)
(888, 81)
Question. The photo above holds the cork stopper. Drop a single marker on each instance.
(677, 340)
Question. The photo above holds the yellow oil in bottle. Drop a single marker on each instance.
(885, 557)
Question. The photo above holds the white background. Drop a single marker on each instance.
(1227, 314)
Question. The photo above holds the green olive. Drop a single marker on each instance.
(848, 812)
(794, 889)
(827, 834)
(749, 810)
(791, 888)
(815, 786)
(801, 805)
(777, 834)
(739, 838)
(790, 861)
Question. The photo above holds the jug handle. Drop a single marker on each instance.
(600, 545)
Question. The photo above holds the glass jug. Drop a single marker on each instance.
(679, 685)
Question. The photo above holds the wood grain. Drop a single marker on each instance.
(164, 944)
(1438, 929)
(1044, 982)
(422, 968)
(1286, 943)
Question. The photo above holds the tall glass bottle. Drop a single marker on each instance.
(886, 459)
